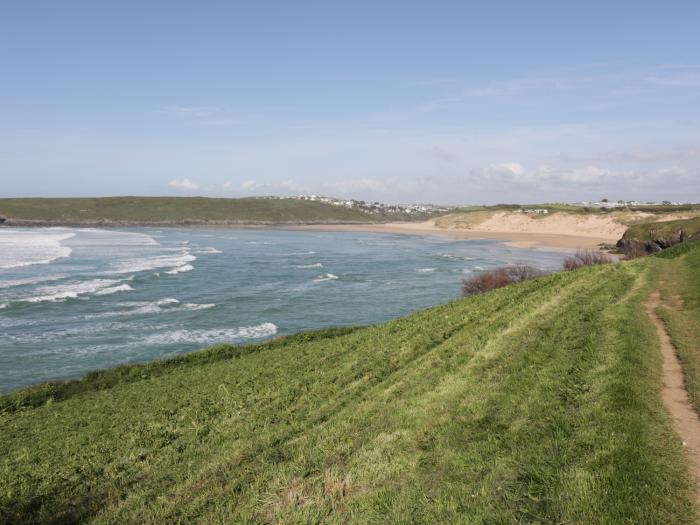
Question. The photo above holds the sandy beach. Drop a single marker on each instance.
(521, 239)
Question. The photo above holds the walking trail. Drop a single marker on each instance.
(674, 396)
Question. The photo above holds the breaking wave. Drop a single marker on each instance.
(325, 277)
(25, 248)
(308, 266)
(221, 335)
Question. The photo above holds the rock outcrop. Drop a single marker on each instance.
(655, 242)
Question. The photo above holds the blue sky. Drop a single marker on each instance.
(453, 102)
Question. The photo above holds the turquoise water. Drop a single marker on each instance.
(74, 300)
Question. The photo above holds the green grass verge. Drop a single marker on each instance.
(534, 403)
(157, 209)
(681, 314)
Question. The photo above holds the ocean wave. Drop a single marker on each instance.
(167, 305)
(308, 266)
(3, 306)
(128, 238)
(180, 269)
(33, 280)
(325, 277)
(209, 250)
(69, 291)
(425, 270)
(114, 289)
(26, 248)
(153, 263)
(195, 307)
(221, 335)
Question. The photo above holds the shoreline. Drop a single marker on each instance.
(526, 240)
(516, 239)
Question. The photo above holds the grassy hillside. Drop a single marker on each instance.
(652, 231)
(534, 403)
(156, 209)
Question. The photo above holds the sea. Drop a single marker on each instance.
(77, 300)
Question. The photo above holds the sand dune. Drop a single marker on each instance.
(558, 231)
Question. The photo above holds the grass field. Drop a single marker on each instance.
(157, 209)
(535, 403)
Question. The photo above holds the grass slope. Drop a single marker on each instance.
(534, 403)
(651, 231)
(157, 209)
(681, 313)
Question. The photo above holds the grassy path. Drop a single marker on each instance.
(535, 403)
(674, 395)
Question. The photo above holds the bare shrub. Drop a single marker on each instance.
(498, 278)
(522, 272)
(586, 258)
(634, 250)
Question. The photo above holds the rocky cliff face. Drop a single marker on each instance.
(656, 242)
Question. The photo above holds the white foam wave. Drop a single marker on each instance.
(69, 291)
(209, 250)
(114, 289)
(33, 280)
(152, 263)
(325, 277)
(167, 305)
(425, 270)
(194, 306)
(119, 237)
(3, 306)
(24, 248)
(180, 269)
(221, 335)
(307, 266)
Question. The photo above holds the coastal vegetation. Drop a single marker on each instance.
(586, 258)
(498, 278)
(536, 402)
(655, 236)
(179, 210)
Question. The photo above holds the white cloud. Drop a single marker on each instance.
(250, 185)
(284, 185)
(183, 184)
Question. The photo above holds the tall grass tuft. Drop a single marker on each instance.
(586, 258)
(499, 278)
(634, 250)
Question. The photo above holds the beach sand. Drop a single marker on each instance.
(521, 239)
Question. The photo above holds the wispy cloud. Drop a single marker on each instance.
(638, 156)
(183, 184)
(219, 115)
(679, 80)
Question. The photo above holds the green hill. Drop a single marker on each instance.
(535, 403)
(664, 234)
(177, 209)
